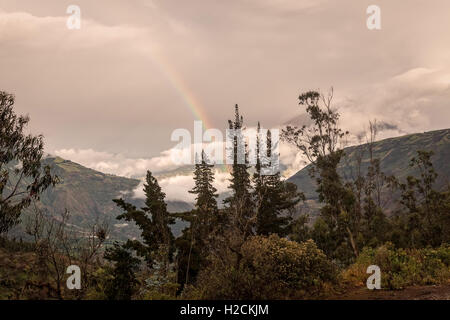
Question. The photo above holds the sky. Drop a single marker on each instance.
(110, 94)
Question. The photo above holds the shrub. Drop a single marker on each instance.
(401, 267)
(266, 268)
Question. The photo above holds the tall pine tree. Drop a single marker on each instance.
(154, 221)
(240, 206)
(193, 244)
(123, 283)
(206, 194)
(274, 199)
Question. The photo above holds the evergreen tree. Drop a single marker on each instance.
(274, 199)
(154, 221)
(203, 220)
(123, 283)
(241, 213)
(206, 194)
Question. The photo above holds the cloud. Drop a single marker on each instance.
(168, 160)
(286, 5)
(26, 30)
(292, 159)
(175, 184)
(104, 88)
(413, 101)
(80, 86)
(102, 98)
(176, 188)
(119, 164)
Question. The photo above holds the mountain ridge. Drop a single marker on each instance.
(87, 194)
(394, 153)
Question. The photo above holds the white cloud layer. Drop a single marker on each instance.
(176, 188)
(119, 164)
(413, 101)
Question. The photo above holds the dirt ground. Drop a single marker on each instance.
(439, 292)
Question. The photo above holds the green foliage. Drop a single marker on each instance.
(275, 200)
(122, 284)
(22, 176)
(394, 154)
(238, 252)
(205, 192)
(338, 211)
(101, 282)
(269, 268)
(321, 144)
(204, 219)
(205, 216)
(157, 246)
(352, 215)
(401, 267)
(427, 221)
(240, 204)
(324, 136)
(160, 284)
(153, 220)
(299, 229)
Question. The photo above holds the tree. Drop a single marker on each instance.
(299, 230)
(427, 221)
(192, 244)
(240, 204)
(369, 185)
(324, 137)
(22, 177)
(271, 268)
(321, 143)
(374, 223)
(122, 284)
(154, 221)
(206, 194)
(239, 218)
(58, 246)
(275, 200)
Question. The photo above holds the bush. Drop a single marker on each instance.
(401, 267)
(267, 268)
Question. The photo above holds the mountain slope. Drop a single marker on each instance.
(394, 154)
(87, 195)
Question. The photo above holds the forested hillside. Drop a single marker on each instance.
(394, 154)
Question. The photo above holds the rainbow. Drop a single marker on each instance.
(183, 89)
(186, 94)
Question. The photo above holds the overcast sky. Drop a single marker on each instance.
(114, 90)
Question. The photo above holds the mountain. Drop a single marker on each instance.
(87, 195)
(394, 154)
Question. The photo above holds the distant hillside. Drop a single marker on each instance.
(395, 155)
(88, 195)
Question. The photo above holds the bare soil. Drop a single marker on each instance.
(438, 292)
